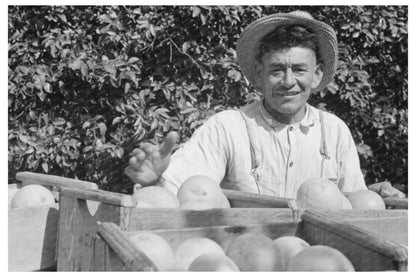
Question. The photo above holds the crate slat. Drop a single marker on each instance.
(132, 257)
(52, 180)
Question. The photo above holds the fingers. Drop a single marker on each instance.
(148, 148)
(138, 158)
(169, 144)
(144, 178)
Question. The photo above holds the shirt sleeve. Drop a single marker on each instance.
(351, 177)
(203, 154)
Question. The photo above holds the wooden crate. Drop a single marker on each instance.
(366, 250)
(78, 226)
(33, 232)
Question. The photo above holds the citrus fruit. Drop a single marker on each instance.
(155, 196)
(255, 252)
(197, 205)
(366, 199)
(319, 193)
(32, 196)
(156, 248)
(200, 187)
(225, 202)
(320, 258)
(346, 204)
(213, 261)
(191, 248)
(12, 192)
(289, 246)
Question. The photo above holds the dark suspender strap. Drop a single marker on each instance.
(323, 149)
(254, 161)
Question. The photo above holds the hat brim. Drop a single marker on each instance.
(249, 42)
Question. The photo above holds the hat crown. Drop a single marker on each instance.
(301, 14)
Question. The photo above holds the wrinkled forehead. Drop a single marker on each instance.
(301, 56)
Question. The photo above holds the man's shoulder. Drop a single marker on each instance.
(235, 114)
(333, 123)
(328, 116)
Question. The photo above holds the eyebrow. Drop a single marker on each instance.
(284, 65)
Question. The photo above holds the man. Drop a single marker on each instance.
(271, 146)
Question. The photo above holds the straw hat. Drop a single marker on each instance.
(249, 42)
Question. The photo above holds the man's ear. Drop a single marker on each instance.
(318, 74)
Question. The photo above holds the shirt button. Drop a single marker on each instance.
(291, 128)
(291, 164)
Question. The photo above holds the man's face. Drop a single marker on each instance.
(287, 78)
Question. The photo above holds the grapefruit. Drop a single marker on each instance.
(289, 246)
(255, 252)
(225, 202)
(191, 248)
(366, 199)
(346, 204)
(320, 258)
(12, 192)
(156, 248)
(319, 193)
(213, 261)
(154, 196)
(197, 205)
(32, 196)
(201, 188)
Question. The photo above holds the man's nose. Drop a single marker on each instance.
(289, 78)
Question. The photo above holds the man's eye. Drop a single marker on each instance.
(277, 71)
(299, 69)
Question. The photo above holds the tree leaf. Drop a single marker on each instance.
(45, 167)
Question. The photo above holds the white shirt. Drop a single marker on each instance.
(286, 155)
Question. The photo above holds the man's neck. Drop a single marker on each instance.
(285, 118)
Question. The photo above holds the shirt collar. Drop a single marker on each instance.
(308, 120)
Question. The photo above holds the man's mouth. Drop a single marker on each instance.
(287, 93)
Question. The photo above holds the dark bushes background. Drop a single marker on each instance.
(87, 84)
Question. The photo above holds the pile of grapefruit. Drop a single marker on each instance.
(198, 192)
(244, 252)
(201, 192)
(323, 194)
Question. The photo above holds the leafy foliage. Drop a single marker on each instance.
(88, 83)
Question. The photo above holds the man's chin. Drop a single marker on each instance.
(288, 109)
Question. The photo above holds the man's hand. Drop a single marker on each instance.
(148, 162)
(385, 189)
